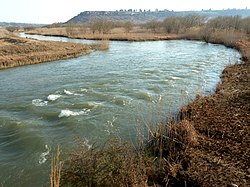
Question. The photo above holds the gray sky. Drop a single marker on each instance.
(51, 11)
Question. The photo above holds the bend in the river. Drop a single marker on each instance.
(95, 96)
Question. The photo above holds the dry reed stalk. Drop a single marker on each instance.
(104, 45)
(55, 173)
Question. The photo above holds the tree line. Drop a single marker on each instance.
(178, 24)
(171, 25)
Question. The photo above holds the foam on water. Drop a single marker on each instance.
(84, 90)
(43, 156)
(71, 93)
(53, 97)
(195, 71)
(86, 143)
(175, 78)
(68, 113)
(39, 102)
(67, 92)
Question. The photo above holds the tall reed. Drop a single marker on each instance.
(55, 173)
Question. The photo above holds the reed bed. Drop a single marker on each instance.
(16, 51)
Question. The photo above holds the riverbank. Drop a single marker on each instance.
(222, 123)
(16, 51)
(218, 154)
(117, 34)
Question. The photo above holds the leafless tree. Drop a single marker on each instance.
(101, 25)
(153, 25)
(225, 22)
(12, 28)
(245, 25)
(173, 24)
(128, 26)
(70, 29)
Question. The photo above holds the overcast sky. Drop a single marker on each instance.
(51, 11)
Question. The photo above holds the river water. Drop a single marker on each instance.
(95, 96)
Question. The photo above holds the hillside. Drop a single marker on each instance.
(147, 15)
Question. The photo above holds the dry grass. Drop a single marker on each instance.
(58, 31)
(56, 166)
(113, 164)
(222, 123)
(16, 51)
(101, 45)
(136, 34)
(118, 163)
(4, 33)
(166, 146)
(226, 37)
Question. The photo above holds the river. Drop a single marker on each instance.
(105, 93)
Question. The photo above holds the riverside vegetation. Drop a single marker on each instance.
(209, 143)
(16, 51)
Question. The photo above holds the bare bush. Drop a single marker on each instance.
(128, 26)
(225, 22)
(12, 29)
(153, 25)
(103, 26)
(245, 25)
(114, 164)
(70, 29)
(193, 20)
(101, 45)
(173, 24)
(206, 33)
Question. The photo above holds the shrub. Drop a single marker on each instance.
(114, 164)
(101, 45)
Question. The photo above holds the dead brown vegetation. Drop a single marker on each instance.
(118, 163)
(18, 52)
(224, 30)
(55, 173)
(15, 51)
(222, 122)
(112, 164)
